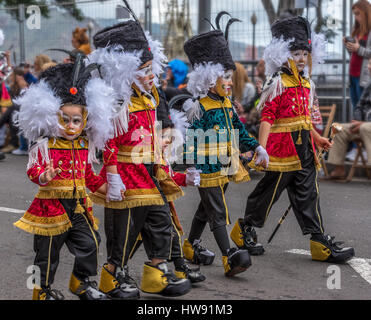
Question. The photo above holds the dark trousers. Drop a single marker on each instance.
(213, 210)
(176, 250)
(122, 228)
(81, 240)
(303, 192)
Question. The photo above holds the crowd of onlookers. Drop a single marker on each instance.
(246, 93)
(20, 77)
(359, 48)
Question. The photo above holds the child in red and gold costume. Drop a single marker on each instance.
(171, 126)
(287, 132)
(131, 62)
(67, 116)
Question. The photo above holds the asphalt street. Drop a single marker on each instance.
(285, 271)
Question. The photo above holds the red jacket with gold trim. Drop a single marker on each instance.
(288, 112)
(131, 151)
(46, 216)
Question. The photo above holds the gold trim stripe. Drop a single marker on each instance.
(274, 195)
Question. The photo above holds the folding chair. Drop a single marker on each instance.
(355, 164)
(328, 115)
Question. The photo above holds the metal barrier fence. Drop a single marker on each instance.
(247, 39)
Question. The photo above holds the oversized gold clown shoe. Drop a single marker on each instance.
(324, 248)
(160, 280)
(197, 254)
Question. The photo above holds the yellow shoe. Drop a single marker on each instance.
(236, 234)
(246, 238)
(193, 275)
(46, 294)
(197, 254)
(324, 249)
(159, 280)
(85, 289)
(188, 250)
(236, 261)
(110, 285)
(36, 293)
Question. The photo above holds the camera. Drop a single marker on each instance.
(350, 39)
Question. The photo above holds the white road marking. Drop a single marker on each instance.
(360, 265)
(11, 210)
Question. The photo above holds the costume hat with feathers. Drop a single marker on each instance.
(121, 50)
(210, 57)
(288, 35)
(38, 118)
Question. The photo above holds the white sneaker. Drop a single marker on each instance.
(19, 152)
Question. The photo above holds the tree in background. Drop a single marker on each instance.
(179, 28)
(287, 8)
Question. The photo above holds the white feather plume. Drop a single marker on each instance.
(100, 102)
(37, 116)
(119, 69)
(159, 58)
(318, 49)
(276, 54)
(180, 121)
(273, 87)
(203, 77)
(2, 37)
(39, 148)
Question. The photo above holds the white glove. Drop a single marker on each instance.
(262, 156)
(193, 177)
(114, 187)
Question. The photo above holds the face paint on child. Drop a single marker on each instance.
(300, 58)
(146, 76)
(224, 84)
(72, 121)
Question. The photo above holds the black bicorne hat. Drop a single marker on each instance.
(211, 46)
(296, 28)
(129, 35)
(68, 80)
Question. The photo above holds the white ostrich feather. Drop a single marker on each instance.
(273, 87)
(118, 69)
(100, 103)
(203, 77)
(276, 54)
(37, 116)
(159, 58)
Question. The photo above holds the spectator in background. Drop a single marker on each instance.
(360, 49)
(174, 82)
(48, 65)
(359, 127)
(243, 94)
(243, 90)
(80, 40)
(176, 74)
(40, 60)
(260, 70)
(17, 83)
